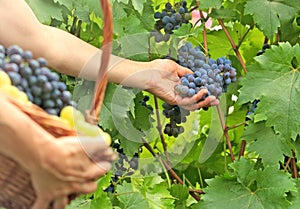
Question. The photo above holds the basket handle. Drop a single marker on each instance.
(92, 115)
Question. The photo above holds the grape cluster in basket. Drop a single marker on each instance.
(30, 81)
(32, 76)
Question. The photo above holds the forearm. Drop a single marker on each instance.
(64, 52)
(71, 55)
(20, 137)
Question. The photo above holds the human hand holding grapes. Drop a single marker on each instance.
(69, 166)
(166, 74)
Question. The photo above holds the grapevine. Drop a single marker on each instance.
(243, 153)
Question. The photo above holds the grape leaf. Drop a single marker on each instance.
(102, 200)
(138, 5)
(277, 85)
(181, 193)
(118, 11)
(80, 203)
(215, 132)
(259, 137)
(183, 31)
(142, 119)
(180, 147)
(154, 191)
(148, 12)
(103, 183)
(130, 198)
(249, 188)
(123, 1)
(210, 4)
(294, 197)
(45, 10)
(129, 146)
(269, 13)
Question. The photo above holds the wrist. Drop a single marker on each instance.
(134, 74)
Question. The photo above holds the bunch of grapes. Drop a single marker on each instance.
(210, 74)
(177, 116)
(215, 76)
(144, 103)
(169, 19)
(124, 166)
(263, 49)
(32, 76)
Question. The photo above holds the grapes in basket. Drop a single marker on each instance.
(30, 80)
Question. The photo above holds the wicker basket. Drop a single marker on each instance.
(16, 191)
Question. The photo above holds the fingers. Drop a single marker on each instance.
(108, 155)
(209, 101)
(60, 203)
(196, 102)
(61, 200)
(95, 146)
(82, 188)
(96, 170)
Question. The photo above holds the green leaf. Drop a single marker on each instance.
(294, 197)
(249, 189)
(277, 85)
(79, 203)
(179, 147)
(102, 201)
(142, 118)
(138, 5)
(113, 107)
(259, 137)
(210, 4)
(45, 10)
(131, 199)
(183, 31)
(269, 13)
(129, 146)
(134, 45)
(215, 133)
(103, 183)
(181, 193)
(154, 190)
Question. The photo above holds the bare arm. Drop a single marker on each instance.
(70, 55)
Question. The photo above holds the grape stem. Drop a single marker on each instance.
(287, 164)
(235, 48)
(204, 33)
(159, 128)
(294, 167)
(225, 130)
(236, 126)
(171, 171)
(244, 36)
(242, 149)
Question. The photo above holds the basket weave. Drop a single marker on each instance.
(16, 191)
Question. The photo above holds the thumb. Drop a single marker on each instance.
(40, 204)
(93, 144)
(182, 71)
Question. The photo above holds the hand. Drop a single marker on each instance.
(70, 166)
(166, 74)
